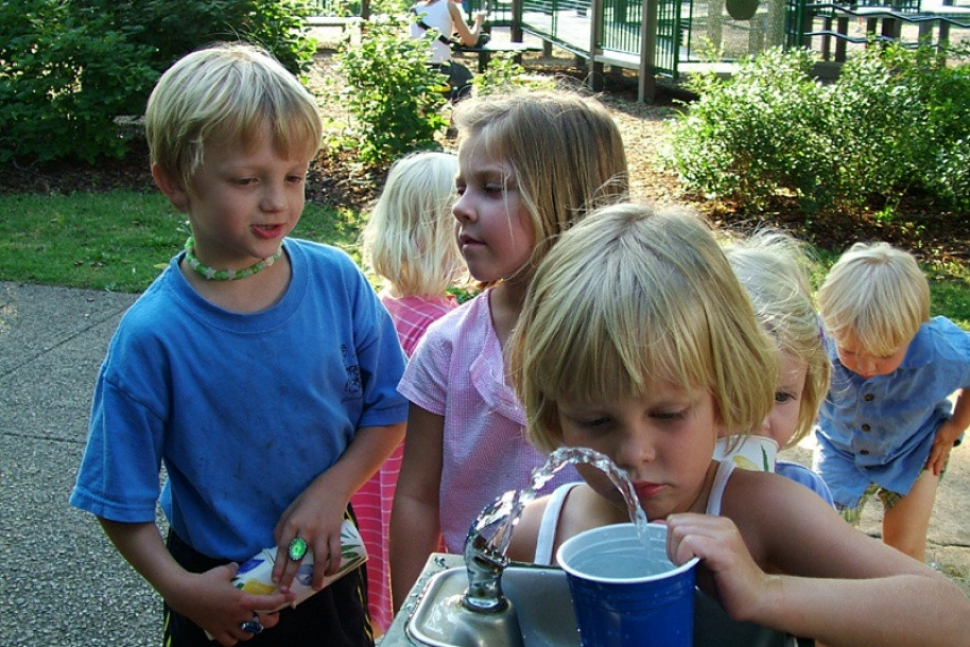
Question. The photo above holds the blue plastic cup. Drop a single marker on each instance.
(626, 594)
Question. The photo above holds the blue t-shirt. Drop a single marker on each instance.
(880, 430)
(245, 410)
(804, 476)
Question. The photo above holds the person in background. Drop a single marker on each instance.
(530, 165)
(773, 269)
(447, 19)
(409, 242)
(887, 426)
(260, 370)
(637, 340)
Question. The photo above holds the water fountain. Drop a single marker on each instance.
(481, 614)
(492, 602)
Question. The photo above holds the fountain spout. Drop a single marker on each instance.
(489, 536)
(485, 558)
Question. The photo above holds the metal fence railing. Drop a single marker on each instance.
(704, 31)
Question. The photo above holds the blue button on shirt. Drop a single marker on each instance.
(880, 430)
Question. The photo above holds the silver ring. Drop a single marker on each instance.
(253, 626)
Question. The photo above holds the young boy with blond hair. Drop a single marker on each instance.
(887, 426)
(260, 369)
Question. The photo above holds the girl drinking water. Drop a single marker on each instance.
(637, 340)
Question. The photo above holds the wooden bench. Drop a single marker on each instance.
(492, 47)
(334, 21)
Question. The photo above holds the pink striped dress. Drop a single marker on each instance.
(372, 503)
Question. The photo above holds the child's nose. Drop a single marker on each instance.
(462, 210)
(634, 450)
(274, 198)
(866, 365)
(765, 429)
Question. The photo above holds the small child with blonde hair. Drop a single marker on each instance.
(409, 242)
(636, 340)
(773, 269)
(887, 426)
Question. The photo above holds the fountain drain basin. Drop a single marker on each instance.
(542, 612)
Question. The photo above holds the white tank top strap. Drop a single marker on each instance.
(724, 470)
(549, 524)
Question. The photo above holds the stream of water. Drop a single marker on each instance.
(504, 513)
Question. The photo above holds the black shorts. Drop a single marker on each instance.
(335, 616)
(459, 79)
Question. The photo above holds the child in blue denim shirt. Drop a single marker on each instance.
(887, 427)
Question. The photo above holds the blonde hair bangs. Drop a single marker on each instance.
(409, 240)
(228, 91)
(629, 297)
(877, 295)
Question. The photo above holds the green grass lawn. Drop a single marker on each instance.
(121, 240)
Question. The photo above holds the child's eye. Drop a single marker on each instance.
(782, 397)
(244, 181)
(460, 189)
(589, 424)
(295, 178)
(664, 416)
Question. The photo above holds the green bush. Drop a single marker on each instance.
(504, 73)
(173, 28)
(65, 75)
(946, 169)
(755, 134)
(70, 68)
(877, 125)
(394, 99)
(892, 123)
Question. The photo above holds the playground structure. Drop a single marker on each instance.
(669, 38)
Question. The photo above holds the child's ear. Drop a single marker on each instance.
(171, 187)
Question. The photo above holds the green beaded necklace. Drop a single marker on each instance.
(212, 274)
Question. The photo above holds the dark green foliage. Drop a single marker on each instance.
(894, 122)
(173, 28)
(70, 68)
(65, 76)
(394, 98)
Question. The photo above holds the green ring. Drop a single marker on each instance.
(297, 549)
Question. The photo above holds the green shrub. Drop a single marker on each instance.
(503, 72)
(394, 99)
(70, 68)
(877, 125)
(945, 171)
(66, 74)
(755, 134)
(892, 123)
(172, 28)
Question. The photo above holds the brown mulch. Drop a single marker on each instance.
(335, 180)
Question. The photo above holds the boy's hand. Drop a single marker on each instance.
(316, 518)
(213, 603)
(738, 581)
(946, 435)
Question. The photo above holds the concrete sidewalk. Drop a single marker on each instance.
(61, 581)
